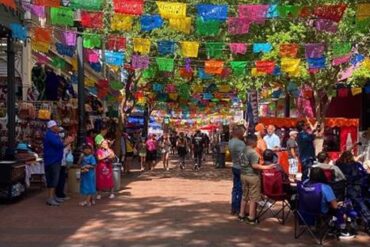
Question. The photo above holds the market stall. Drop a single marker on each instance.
(339, 135)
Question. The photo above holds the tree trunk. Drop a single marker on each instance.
(322, 102)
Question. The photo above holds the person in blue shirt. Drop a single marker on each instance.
(329, 203)
(272, 140)
(306, 148)
(53, 156)
(87, 182)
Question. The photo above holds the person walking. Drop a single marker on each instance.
(198, 147)
(182, 146)
(236, 147)
(151, 145)
(142, 153)
(53, 156)
(165, 150)
(104, 169)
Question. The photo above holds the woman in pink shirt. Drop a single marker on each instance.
(151, 146)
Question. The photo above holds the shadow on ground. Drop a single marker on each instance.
(156, 208)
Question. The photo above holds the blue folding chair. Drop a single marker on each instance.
(308, 216)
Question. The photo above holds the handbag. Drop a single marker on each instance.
(44, 113)
(26, 111)
(69, 159)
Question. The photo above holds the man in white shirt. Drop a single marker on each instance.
(272, 140)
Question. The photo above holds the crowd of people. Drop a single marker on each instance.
(345, 180)
(252, 153)
(97, 158)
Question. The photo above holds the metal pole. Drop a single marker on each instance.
(11, 92)
(81, 93)
(146, 121)
(287, 105)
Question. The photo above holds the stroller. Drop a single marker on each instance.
(357, 191)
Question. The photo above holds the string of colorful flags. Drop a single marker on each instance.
(58, 28)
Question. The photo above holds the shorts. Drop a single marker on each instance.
(130, 154)
(293, 166)
(152, 155)
(251, 187)
(52, 175)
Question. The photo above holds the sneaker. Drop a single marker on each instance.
(251, 221)
(53, 203)
(112, 196)
(98, 197)
(59, 200)
(345, 234)
(85, 204)
(241, 218)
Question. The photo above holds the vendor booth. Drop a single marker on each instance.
(340, 134)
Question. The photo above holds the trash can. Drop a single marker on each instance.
(117, 168)
(74, 175)
(221, 155)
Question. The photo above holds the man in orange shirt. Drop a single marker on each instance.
(261, 144)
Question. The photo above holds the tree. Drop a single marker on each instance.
(323, 83)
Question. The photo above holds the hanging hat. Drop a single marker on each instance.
(22, 147)
(99, 139)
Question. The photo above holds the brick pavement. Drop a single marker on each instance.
(156, 208)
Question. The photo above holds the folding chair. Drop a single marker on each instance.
(329, 174)
(308, 216)
(273, 191)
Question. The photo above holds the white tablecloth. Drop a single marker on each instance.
(35, 168)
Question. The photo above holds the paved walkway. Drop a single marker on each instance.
(156, 208)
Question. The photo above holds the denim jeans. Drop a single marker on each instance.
(59, 191)
(236, 194)
(306, 166)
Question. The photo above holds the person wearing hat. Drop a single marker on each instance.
(292, 147)
(53, 156)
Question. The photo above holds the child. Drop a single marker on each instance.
(87, 183)
(142, 153)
